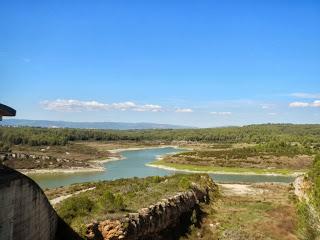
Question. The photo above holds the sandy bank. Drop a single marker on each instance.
(119, 150)
(61, 170)
(240, 189)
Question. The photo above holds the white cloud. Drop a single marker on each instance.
(71, 105)
(315, 103)
(148, 108)
(221, 113)
(306, 95)
(184, 110)
(299, 104)
(123, 106)
(267, 106)
(272, 114)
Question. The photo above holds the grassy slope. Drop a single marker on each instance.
(113, 199)
(309, 208)
(269, 214)
(213, 169)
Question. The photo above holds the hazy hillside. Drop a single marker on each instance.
(94, 125)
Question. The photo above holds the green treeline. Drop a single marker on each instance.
(274, 148)
(306, 135)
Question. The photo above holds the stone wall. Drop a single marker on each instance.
(150, 223)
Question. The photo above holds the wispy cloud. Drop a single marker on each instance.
(267, 106)
(148, 108)
(315, 103)
(72, 105)
(221, 113)
(184, 110)
(306, 95)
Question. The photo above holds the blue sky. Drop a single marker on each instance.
(198, 63)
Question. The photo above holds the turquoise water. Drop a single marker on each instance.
(134, 166)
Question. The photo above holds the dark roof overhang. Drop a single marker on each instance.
(6, 111)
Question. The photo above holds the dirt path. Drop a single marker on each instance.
(239, 189)
(61, 198)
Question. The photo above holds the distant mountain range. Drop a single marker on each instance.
(88, 125)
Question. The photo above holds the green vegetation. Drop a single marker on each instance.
(308, 224)
(306, 135)
(52, 193)
(213, 169)
(113, 199)
(4, 147)
(314, 176)
(78, 206)
(274, 157)
(275, 147)
(309, 208)
(266, 212)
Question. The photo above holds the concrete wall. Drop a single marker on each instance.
(25, 212)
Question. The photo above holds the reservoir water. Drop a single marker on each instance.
(134, 165)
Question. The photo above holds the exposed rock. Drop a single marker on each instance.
(32, 161)
(147, 223)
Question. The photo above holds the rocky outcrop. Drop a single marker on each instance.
(149, 223)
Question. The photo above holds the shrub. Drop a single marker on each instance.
(307, 227)
(75, 207)
(4, 147)
(314, 176)
(112, 203)
(184, 183)
(156, 179)
(119, 203)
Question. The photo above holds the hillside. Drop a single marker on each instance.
(88, 125)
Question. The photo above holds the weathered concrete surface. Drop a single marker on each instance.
(25, 212)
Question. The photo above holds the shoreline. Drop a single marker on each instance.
(98, 163)
(60, 170)
(119, 150)
(295, 174)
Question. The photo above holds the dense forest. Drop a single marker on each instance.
(306, 135)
